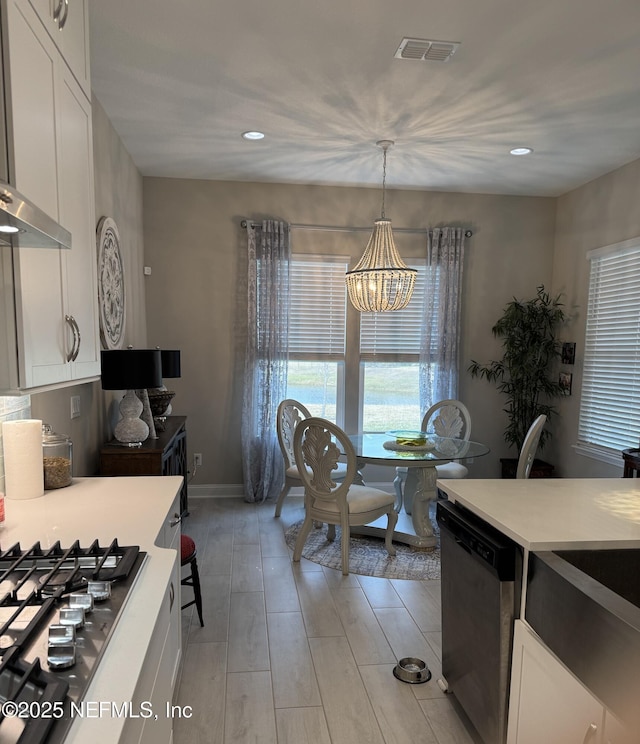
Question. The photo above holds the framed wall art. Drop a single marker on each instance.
(111, 288)
(566, 380)
(568, 352)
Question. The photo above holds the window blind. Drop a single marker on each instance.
(610, 398)
(396, 333)
(318, 302)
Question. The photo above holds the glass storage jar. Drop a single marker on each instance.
(57, 452)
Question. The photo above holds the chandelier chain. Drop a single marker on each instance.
(384, 178)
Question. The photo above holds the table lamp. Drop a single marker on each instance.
(131, 370)
(170, 363)
(160, 398)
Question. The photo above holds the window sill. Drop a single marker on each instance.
(603, 454)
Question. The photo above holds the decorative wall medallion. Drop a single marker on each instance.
(111, 292)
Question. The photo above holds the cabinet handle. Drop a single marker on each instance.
(63, 20)
(178, 519)
(75, 349)
(592, 730)
(172, 596)
(69, 320)
(57, 10)
(79, 337)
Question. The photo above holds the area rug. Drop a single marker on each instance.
(368, 556)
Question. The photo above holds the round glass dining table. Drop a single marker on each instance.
(381, 449)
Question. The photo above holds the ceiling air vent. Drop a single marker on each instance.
(426, 49)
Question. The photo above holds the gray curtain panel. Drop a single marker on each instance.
(439, 353)
(265, 378)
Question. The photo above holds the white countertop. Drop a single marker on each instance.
(555, 513)
(133, 510)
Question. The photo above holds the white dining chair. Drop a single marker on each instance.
(317, 445)
(529, 447)
(290, 413)
(448, 418)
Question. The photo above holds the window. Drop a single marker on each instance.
(317, 324)
(610, 398)
(381, 357)
(389, 357)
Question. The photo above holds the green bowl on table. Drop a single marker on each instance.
(409, 438)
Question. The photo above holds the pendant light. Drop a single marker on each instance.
(381, 281)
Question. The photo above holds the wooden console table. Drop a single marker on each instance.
(166, 455)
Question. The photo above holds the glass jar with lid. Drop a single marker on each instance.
(57, 452)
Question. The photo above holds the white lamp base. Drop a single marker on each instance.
(131, 429)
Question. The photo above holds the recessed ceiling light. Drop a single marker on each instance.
(253, 135)
(521, 151)
(9, 229)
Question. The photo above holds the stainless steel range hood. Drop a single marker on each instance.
(24, 225)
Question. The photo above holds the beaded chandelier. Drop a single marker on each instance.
(381, 281)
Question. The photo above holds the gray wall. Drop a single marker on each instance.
(196, 295)
(600, 213)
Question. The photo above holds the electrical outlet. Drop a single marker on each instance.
(197, 459)
(75, 406)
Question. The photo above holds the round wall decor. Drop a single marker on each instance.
(111, 290)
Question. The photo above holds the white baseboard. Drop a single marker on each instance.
(236, 490)
(216, 491)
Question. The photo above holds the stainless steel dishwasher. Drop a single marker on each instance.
(481, 583)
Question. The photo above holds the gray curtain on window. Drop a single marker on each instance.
(265, 378)
(441, 320)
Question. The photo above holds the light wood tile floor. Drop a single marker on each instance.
(298, 653)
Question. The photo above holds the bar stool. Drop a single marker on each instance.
(188, 556)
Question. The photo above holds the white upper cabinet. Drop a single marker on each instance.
(55, 290)
(67, 22)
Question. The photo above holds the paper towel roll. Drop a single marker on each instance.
(23, 467)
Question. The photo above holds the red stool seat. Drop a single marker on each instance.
(188, 557)
(187, 548)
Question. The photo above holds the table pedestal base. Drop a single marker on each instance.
(404, 532)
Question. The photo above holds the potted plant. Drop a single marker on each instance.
(527, 373)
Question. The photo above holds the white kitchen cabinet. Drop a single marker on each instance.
(56, 317)
(548, 704)
(67, 22)
(157, 681)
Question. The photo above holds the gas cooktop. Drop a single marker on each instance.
(58, 609)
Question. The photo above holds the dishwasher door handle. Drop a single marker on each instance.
(462, 545)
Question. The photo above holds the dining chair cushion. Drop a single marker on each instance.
(339, 472)
(360, 499)
(452, 470)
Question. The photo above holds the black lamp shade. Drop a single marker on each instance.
(170, 362)
(127, 369)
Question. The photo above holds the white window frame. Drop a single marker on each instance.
(336, 354)
(613, 317)
(350, 361)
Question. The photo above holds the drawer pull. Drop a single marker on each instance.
(177, 518)
(591, 732)
(63, 19)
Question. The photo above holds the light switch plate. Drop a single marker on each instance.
(75, 406)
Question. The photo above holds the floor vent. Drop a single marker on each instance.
(426, 49)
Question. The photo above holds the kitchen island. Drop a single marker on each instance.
(143, 653)
(555, 513)
(575, 617)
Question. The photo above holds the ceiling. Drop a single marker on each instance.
(181, 81)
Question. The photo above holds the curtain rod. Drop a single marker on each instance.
(334, 228)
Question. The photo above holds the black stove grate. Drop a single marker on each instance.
(26, 683)
(59, 571)
(34, 586)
